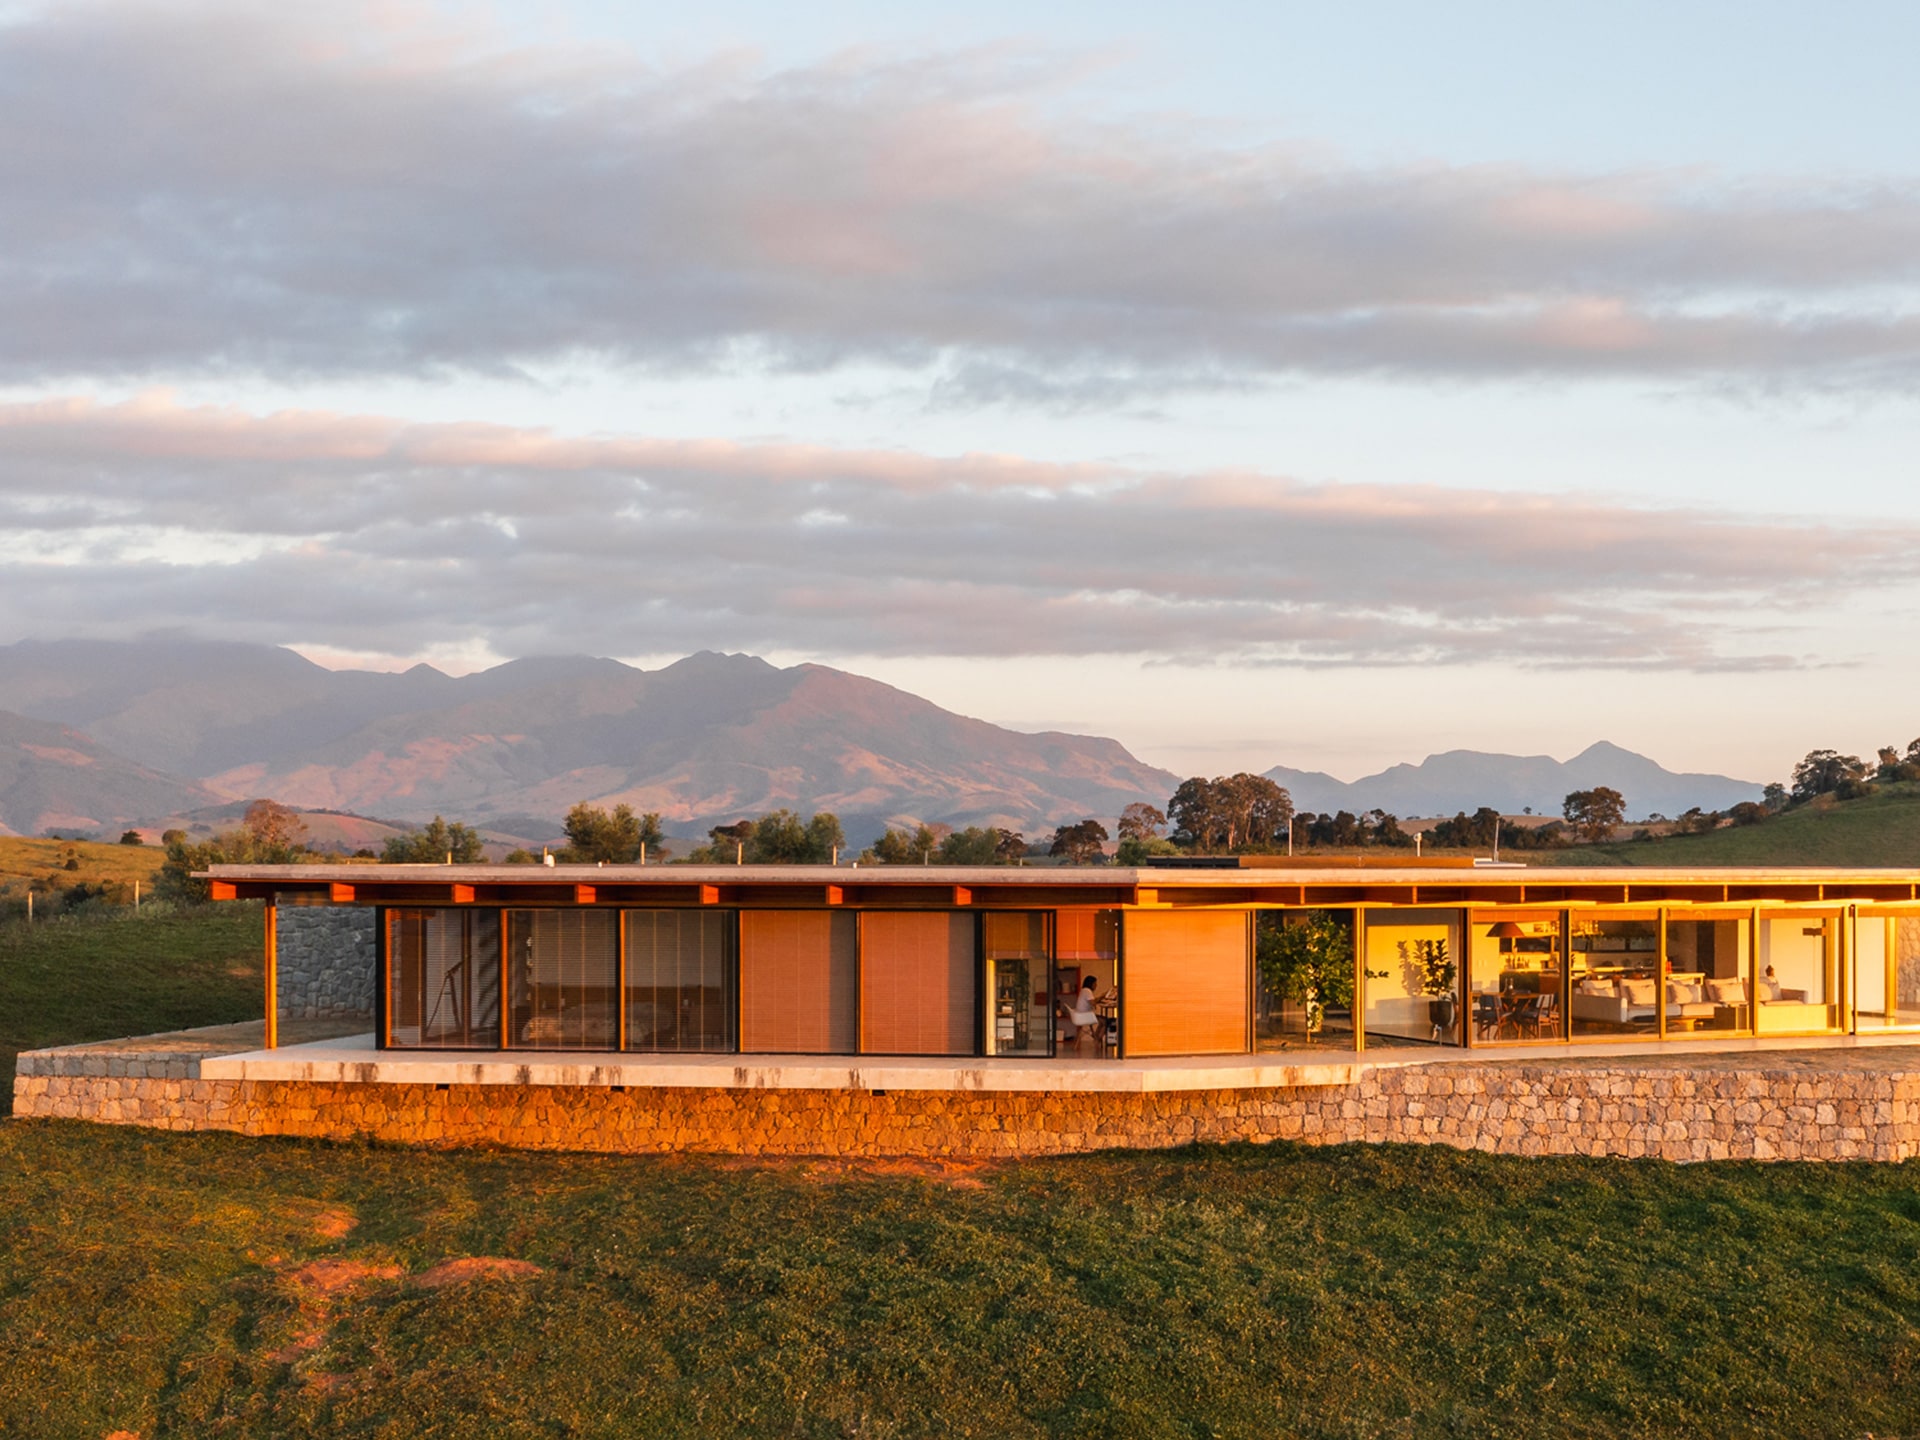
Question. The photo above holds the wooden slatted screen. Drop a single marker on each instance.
(916, 983)
(1087, 935)
(1184, 984)
(797, 985)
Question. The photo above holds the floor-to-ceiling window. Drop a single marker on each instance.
(1886, 969)
(1797, 957)
(1085, 1005)
(1513, 975)
(563, 979)
(1614, 964)
(680, 980)
(1303, 994)
(1412, 969)
(1709, 973)
(1018, 986)
(443, 979)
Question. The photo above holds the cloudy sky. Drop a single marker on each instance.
(1256, 383)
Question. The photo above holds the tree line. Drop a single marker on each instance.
(1227, 814)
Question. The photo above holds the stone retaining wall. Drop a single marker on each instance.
(325, 962)
(1735, 1112)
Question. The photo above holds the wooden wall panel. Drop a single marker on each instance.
(916, 983)
(1184, 988)
(797, 985)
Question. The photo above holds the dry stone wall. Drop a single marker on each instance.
(325, 962)
(1747, 1112)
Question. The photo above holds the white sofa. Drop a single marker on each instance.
(1629, 1002)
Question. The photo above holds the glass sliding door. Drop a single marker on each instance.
(1886, 968)
(1085, 1009)
(563, 977)
(1614, 962)
(1514, 960)
(1016, 1019)
(1709, 973)
(1303, 979)
(680, 980)
(1412, 977)
(1796, 956)
(443, 979)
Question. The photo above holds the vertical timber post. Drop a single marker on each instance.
(272, 936)
(1359, 979)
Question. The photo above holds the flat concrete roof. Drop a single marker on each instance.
(1306, 884)
(1095, 876)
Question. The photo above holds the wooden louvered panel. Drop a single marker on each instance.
(1014, 932)
(1087, 934)
(797, 987)
(1184, 985)
(916, 983)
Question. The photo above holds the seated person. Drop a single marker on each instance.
(1079, 1010)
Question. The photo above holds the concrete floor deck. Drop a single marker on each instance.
(355, 1060)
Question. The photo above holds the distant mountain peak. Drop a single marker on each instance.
(1455, 780)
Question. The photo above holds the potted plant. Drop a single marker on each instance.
(1438, 977)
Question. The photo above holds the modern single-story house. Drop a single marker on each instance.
(1107, 963)
(965, 1013)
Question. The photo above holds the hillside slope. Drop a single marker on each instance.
(1882, 829)
(54, 777)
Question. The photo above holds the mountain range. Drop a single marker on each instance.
(99, 734)
(709, 738)
(1466, 779)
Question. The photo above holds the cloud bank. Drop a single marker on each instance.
(370, 534)
(294, 191)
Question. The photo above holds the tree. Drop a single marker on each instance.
(1774, 797)
(595, 836)
(272, 824)
(1142, 822)
(979, 845)
(780, 837)
(234, 847)
(1307, 958)
(1195, 811)
(1594, 814)
(903, 847)
(435, 844)
(1232, 812)
(131, 837)
(1081, 844)
(1826, 772)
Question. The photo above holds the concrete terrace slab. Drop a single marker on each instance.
(356, 1061)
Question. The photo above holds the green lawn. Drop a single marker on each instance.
(1882, 829)
(96, 978)
(166, 1285)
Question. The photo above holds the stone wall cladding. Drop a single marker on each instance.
(1623, 1110)
(326, 962)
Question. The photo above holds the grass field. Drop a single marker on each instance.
(24, 859)
(1881, 829)
(196, 1285)
(99, 977)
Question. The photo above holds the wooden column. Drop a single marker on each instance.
(273, 974)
